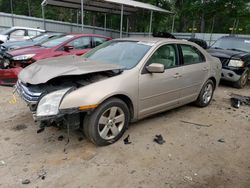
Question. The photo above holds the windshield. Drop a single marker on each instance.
(239, 44)
(124, 53)
(38, 38)
(55, 42)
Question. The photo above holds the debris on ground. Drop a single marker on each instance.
(221, 140)
(60, 138)
(237, 100)
(188, 178)
(126, 140)
(197, 124)
(159, 139)
(235, 103)
(40, 130)
(80, 139)
(2, 163)
(20, 127)
(42, 175)
(26, 181)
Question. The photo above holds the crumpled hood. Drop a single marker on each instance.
(44, 70)
(226, 53)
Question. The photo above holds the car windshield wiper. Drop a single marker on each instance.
(234, 49)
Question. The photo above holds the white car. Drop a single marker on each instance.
(19, 34)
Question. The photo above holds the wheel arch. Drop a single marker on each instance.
(214, 81)
(127, 101)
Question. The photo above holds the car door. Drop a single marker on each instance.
(80, 45)
(160, 91)
(195, 72)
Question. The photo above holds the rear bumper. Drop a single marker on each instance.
(9, 76)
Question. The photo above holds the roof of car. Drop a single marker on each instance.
(236, 37)
(29, 28)
(86, 34)
(153, 39)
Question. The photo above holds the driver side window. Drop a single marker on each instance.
(165, 55)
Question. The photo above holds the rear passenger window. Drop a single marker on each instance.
(98, 41)
(191, 55)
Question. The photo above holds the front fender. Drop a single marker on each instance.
(95, 93)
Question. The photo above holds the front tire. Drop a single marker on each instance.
(242, 82)
(107, 123)
(206, 94)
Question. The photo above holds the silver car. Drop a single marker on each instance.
(119, 82)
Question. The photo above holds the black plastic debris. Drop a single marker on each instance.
(159, 139)
(235, 103)
(221, 140)
(40, 130)
(80, 139)
(238, 100)
(60, 138)
(126, 140)
(26, 181)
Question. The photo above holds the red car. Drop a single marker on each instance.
(12, 62)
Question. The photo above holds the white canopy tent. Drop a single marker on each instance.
(122, 7)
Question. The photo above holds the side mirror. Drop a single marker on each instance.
(68, 48)
(155, 68)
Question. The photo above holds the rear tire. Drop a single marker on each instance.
(107, 123)
(206, 94)
(242, 82)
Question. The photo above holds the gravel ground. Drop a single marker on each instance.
(215, 156)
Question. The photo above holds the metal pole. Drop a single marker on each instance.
(121, 24)
(11, 9)
(82, 13)
(105, 22)
(150, 24)
(127, 25)
(173, 23)
(29, 7)
(43, 14)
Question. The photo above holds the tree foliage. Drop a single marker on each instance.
(220, 16)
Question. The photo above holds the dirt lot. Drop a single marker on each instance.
(217, 156)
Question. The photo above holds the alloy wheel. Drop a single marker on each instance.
(208, 92)
(111, 123)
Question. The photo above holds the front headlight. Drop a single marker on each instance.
(236, 63)
(23, 57)
(49, 104)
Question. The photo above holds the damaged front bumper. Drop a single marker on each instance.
(66, 117)
(232, 74)
(8, 76)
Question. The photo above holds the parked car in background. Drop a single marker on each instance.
(234, 54)
(200, 42)
(118, 82)
(72, 44)
(19, 34)
(30, 42)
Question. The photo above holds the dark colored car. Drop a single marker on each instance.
(30, 42)
(234, 54)
(14, 61)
